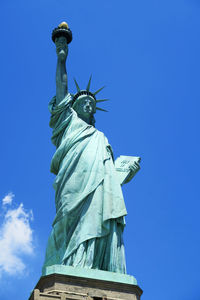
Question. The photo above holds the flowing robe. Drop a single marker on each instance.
(87, 230)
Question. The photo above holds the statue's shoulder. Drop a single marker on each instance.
(63, 104)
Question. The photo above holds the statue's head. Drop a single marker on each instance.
(84, 103)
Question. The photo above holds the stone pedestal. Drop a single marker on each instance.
(58, 286)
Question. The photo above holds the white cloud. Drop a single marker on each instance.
(16, 240)
(8, 199)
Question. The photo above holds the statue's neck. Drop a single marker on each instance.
(86, 119)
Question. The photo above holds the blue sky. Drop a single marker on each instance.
(147, 54)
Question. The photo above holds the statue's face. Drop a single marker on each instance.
(85, 106)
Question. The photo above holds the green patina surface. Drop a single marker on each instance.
(89, 273)
(90, 209)
(88, 228)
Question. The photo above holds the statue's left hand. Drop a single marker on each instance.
(134, 168)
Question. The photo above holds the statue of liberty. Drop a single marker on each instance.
(88, 227)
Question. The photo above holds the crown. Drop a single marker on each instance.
(89, 93)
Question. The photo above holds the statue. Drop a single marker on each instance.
(88, 227)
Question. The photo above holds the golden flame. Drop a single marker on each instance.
(63, 25)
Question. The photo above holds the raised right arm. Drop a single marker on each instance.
(61, 73)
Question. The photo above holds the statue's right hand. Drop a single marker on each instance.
(61, 48)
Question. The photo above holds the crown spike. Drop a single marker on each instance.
(101, 109)
(89, 82)
(99, 90)
(102, 100)
(77, 86)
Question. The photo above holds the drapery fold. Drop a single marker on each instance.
(87, 230)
